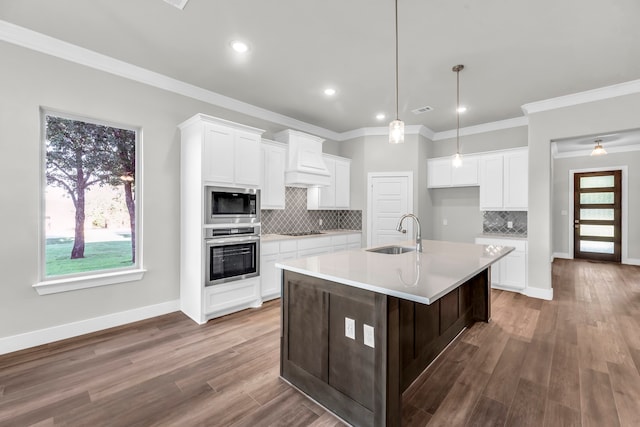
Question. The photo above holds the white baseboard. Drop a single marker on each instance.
(70, 330)
(631, 261)
(539, 293)
(562, 255)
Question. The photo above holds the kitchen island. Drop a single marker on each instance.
(358, 327)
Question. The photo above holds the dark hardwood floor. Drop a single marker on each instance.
(568, 362)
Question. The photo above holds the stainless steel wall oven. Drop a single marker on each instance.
(231, 253)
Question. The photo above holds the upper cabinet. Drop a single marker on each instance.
(230, 151)
(274, 157)
(441, 173)
(337, 195)
(504, 180)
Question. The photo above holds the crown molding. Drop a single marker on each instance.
(606, 92)
(39, 42)
(482, 128)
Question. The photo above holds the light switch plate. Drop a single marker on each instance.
(369, 336)
(349, 328)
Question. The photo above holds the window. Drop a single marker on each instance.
(91, 192)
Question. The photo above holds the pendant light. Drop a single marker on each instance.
(457, 158)
(396, 127)
(598, 150)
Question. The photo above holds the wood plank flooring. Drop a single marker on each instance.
(573, 361)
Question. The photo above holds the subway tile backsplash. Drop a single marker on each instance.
(495, 222)
(295, 217)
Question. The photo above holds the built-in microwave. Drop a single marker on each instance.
(226, 205)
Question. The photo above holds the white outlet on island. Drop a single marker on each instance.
(349, 328)
(368, 336)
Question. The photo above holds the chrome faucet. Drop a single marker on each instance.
(418, 232)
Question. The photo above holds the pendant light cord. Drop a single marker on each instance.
(397, 115)
(458, 111)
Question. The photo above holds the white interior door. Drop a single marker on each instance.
(390, 196)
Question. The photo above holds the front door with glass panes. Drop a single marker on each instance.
(597, 215)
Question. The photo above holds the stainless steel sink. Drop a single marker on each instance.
(392, 250)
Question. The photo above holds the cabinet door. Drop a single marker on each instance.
(273, 163)
(328, 194)
(439, 172)
(269, 276)
(467, 173)
(516, 179)
(218, 155)
(491, 182)
(513, 274)
(496, 270)
(247, 159)
(342, 184)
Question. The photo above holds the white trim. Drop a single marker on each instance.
(606, 92)
(587, 153)
(631, 261)
(562, 255)
(370, 175)
(48, 45)
(546, 294)
(74, 329)
(47, 287)
(483, 128)
(625, 205)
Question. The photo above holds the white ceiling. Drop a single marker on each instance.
(614, 142)
(514, 52)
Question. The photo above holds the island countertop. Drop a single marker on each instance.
(422, 277)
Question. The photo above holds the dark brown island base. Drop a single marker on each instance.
(397, 330)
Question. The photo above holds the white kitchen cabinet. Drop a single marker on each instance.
(337, 194)
(231, 154)
(273, 162)
(516, 180)
(442, 174)
(272, 252)
(504, 181)
(212, 151)
(510, 272)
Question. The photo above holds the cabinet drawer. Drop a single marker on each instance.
(288, 246)
(314, 251)
(340, 239)
(229, 295)
(314, 242)
(269, 248)
(353, 238)
(519, 245)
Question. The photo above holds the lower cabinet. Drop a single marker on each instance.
(511, 271)
(281, 250)
(227, 297)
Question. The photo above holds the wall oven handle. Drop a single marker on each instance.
(227, 240)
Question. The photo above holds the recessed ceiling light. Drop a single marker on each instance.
(462, 109)
(380, 116)
(329, 91)
(240, 47)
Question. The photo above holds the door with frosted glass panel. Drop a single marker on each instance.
(597, 220)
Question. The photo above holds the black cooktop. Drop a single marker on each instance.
(302, 233)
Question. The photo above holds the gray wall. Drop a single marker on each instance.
(592, 118)
(460, 206)
(29, 80)
(375, 154)
(561, 196)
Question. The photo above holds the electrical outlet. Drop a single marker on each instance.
(349, 328)
(509, 224)
(445, 222)
(368, 336)
(320, 222)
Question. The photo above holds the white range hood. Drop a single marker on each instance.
(305, 166)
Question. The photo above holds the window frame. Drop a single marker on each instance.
(89, 279)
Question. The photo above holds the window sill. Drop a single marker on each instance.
(75, 283)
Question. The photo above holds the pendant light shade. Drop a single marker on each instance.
(598, 150)
(457, 158)
(396, 127)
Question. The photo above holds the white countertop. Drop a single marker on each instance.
(422, 277)
(272, 237)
